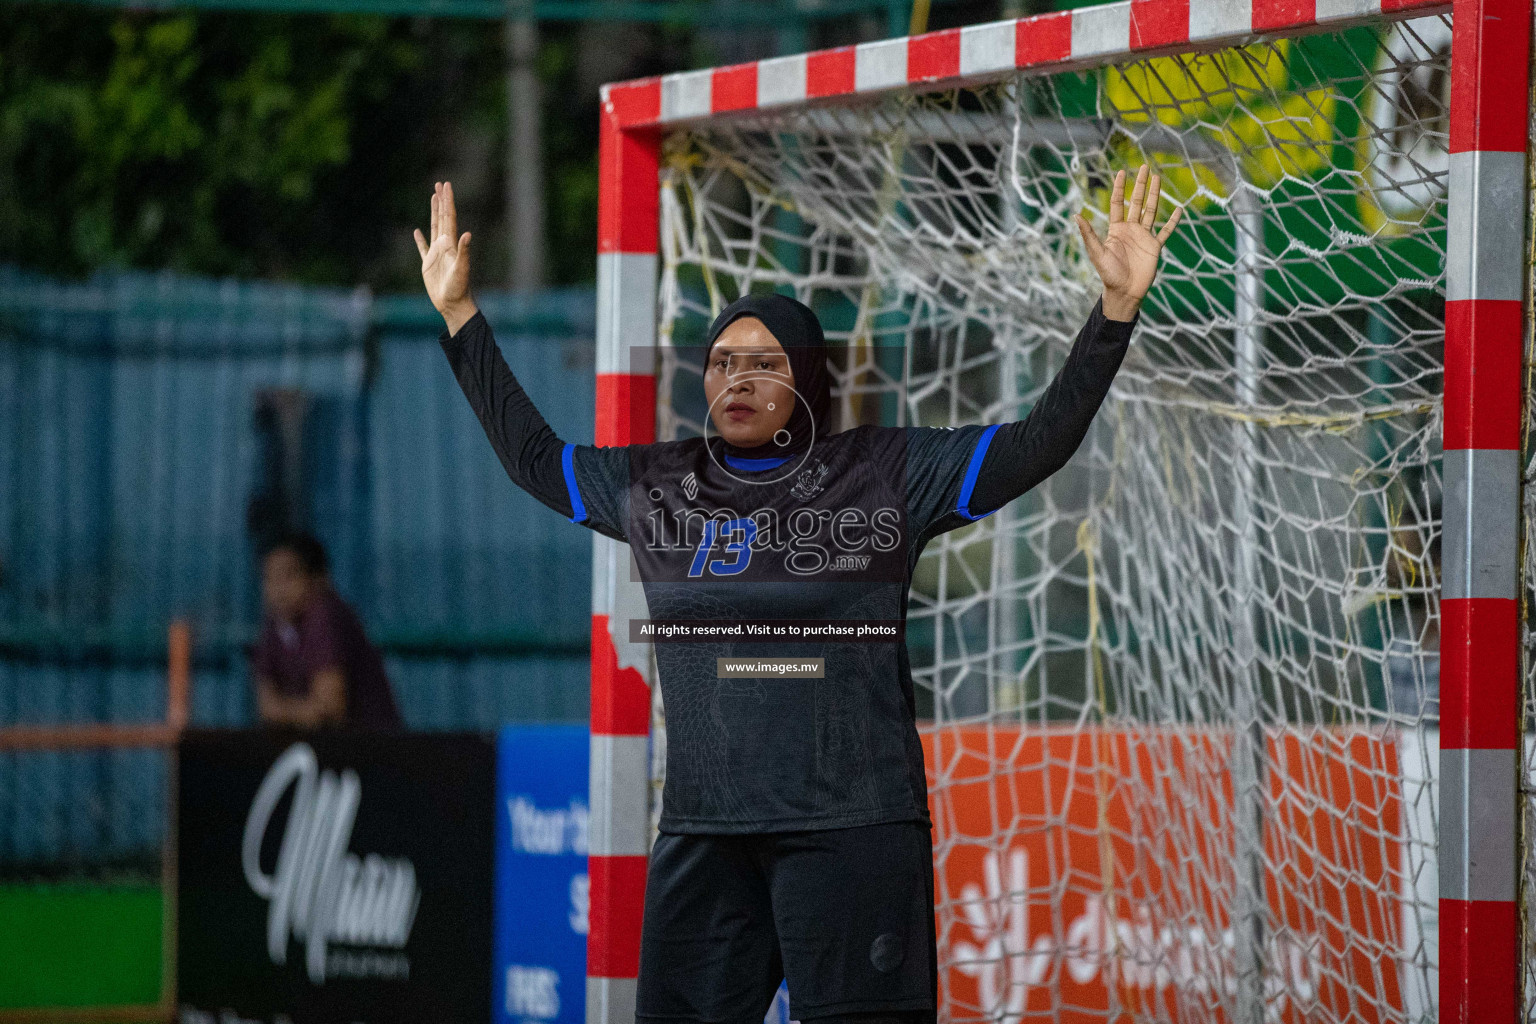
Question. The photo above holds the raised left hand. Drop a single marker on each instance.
(1127, 259)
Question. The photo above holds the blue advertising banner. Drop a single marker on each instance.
(541, 875)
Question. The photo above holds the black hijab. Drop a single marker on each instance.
(794, 326)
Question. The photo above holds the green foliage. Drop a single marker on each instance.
(570, 161)
(209, 143)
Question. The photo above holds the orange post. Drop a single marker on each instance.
(178, 710)
(178, 701)
(101, 735)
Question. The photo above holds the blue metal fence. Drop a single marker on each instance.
(130, 458)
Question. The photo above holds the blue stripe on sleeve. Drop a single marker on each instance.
(578, 510)
(973, 471)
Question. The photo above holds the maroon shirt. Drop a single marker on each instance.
(327, 635)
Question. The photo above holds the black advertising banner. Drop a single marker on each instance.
(334, 878)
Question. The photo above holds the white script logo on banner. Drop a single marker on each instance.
(320, 893)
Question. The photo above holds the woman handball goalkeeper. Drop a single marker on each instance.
(794, 837)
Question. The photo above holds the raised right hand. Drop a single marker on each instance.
(444, 263)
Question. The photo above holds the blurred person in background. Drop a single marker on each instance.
(313, 665)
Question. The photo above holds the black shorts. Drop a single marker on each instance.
(844, 915)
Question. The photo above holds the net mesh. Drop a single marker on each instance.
(1180, 702)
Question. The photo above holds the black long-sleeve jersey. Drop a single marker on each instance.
(832, 533)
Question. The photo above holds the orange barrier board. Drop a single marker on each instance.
(1086, 874)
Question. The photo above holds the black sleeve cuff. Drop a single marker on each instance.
(1114, 330)
(474, 323)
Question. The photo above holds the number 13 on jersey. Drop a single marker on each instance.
(737, 555)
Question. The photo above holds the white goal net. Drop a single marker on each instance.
(1181, 701)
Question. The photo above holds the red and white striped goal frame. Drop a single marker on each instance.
(1480, 943)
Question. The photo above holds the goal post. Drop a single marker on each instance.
(1224, 722)
(629, 147)
(1486, 290)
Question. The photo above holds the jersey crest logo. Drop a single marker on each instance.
(690, 487)
(809, 483)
